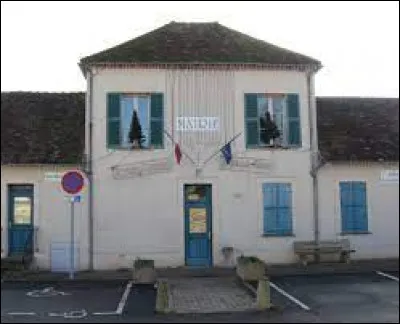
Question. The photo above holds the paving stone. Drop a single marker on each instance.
(208, 295)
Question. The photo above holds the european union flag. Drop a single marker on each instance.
(227, 152)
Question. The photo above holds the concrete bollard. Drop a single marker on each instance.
(162, 300)
(263, 294)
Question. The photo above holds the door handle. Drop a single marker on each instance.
(209, 235)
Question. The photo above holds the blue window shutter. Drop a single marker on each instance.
(293, 119)
(360, 201)
(270, 220)
(353, 206)
(284, 205)
(345, 206)
(113, 119)
(157, 120)
(269, 217)
(251, 119)
(277, 208)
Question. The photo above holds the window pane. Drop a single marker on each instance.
(127, 105)
(22, 210)
(277, 104)
(144, 119)
(195, 193)
(262, 115)
(140, 104)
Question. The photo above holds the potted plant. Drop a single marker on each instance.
(269, 132)
(250, 268)
(136, 136)
(144, 271)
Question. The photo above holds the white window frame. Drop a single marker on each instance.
(135, 106)
(284, 135)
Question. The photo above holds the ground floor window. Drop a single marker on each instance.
(277, 208)
(353, 206)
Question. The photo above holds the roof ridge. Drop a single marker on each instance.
(356, 97)
(41, 92)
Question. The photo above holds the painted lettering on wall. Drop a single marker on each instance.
(196, 124)
(390, 175)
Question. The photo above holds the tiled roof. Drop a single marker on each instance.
(42, 127)
(358, 129)
(49, 128)
(198, 43)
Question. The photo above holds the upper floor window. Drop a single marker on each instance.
(272, 119)
(135, 120)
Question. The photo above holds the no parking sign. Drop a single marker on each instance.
(72, 182)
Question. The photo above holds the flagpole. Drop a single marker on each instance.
(216, 152)
(183, 152)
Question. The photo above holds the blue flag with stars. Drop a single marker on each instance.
(227, 152)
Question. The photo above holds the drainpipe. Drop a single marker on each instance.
(89, 170)
(314, 157)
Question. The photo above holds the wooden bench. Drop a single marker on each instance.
(306, 248)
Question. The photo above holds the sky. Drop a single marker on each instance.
(357, 42)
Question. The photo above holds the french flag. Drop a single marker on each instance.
(178, 154)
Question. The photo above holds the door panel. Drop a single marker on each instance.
(198, 229)
(20, 216)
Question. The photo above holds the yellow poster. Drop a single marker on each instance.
(22, 210)
(198, 220)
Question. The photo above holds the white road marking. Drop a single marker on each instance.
(46, 292)
(124, 298)
(293, 299)
(106, 313)
(250, 287)
(387, 275)
(22, 313)
(72, 314)
(76, 314)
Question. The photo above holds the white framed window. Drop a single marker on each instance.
(139, 104)
(275, 105)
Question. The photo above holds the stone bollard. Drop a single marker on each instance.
(263, 294)
(162, 300)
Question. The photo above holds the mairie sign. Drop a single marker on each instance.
(196, 124)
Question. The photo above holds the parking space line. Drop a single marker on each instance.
(287, 295)
(124, 298)
(22, 313)
(387, 275)
(106, 313)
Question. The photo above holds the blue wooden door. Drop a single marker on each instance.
(198, 229)
(20, 219)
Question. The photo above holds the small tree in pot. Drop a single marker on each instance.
(268, 129)
(136, 136)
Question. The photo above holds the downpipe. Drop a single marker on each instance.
(89, 170)
(315, 164)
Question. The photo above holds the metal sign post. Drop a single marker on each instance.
(72, 183)
(72, 265)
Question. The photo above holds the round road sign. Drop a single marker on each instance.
(72, 182)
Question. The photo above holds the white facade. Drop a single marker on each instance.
(382, 241)
(143, 215)
(51, 211)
